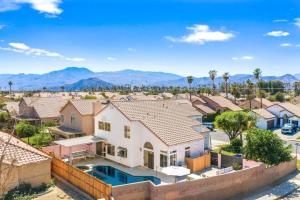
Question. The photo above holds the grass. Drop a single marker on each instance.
(38, 140)
(298, 138)
(227, 153)
(298, 164)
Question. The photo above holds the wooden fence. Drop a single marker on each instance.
(199, 163)
(89, 184)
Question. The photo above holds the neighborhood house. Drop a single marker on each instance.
(154, 134)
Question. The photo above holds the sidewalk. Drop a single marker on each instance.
(283, 189)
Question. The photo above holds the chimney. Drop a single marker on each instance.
(97, 106)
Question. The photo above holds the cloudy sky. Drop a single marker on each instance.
(187, 37)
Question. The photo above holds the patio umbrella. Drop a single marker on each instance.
(175, 171)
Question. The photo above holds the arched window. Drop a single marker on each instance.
(148, 145)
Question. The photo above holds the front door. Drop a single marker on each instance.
(100, 148)
(149, 159)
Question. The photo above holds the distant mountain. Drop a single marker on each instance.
(135, 77)
(72, 75)
(89, 83)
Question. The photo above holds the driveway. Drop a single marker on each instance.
(218, 138)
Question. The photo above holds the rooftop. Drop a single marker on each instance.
(20, 152)
(263, 113)
(169, 120)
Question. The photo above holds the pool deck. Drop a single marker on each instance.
(135, 171)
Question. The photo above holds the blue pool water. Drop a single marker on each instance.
(115, 176)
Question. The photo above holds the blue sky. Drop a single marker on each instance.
(179, 36)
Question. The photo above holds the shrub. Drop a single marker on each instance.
(237, 166)
(267, 147)
(25, 192)
(87, 97)
(236, 145)
(23, 129)
(41, 139)
(50, 123)
(4, 116)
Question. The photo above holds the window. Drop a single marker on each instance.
(122, 152)
(73, 119)
(105, 126)
(127, 132)
(187, 152)
(62, 119)
(111, 149)
(163, 159)
(173, 158)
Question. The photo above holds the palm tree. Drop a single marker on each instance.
(257, 75)
(212, 76)
(225, 78)
(249, 92)
(235, 91)
(62, 88)
(10, 83)
(190, 81)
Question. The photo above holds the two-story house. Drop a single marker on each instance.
(153, 134)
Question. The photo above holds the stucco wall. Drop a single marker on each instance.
(139, 136)
(82, 123)
(214, 188)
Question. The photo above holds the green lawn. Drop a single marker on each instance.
(298, 164)
(228, 153)
(298, 138)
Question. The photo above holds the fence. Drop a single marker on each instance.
(89, 184)
(199, 163)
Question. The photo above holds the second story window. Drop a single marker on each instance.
(105, 126)
(127, 132)
(73, 119)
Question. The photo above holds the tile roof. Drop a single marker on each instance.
(169, 120)
(84, 107)
(46, 107)
(291, 108)
(223, 102)
(204, 108)
(19, 151)
(263, 113)
(265, 101)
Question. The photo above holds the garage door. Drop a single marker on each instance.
(270, 124)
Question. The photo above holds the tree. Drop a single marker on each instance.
(234, 123)
(225, 78)
(261, 94)
(249, 92)
(190, 81)
(235, 91)
(297, 88)
(257, 74)
(44, 89)
(212, 76)
(10, 83)
(23, 129)
(265, 146)
(62, 88)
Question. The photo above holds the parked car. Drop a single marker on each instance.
(289, 129)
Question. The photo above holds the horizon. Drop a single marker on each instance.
(185, 37)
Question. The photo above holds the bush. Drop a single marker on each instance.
(23, 129)
(41, 139)
(237, 166)
(4, 116)
(267, 147)
(51, 123)
(25, 192)
(87, 97)
(236, 145)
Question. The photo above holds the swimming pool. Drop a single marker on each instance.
(115, 176)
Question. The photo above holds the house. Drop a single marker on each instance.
(40, 109)
(12, 107)
(26, 163)
(264, 118)
(77, 118)
(219, 103)
(153, 134)
(256, 103)
(285, 113)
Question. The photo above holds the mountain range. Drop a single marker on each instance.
(78, 78)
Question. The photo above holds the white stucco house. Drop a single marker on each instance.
(285, 113)
(148, 133)
(264, 119)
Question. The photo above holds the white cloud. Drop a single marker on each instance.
(131, 49)
(44, 6)
(111, 58)
(280, 20)
(201, 34)
(278, 33)
(297, 22)
(25, 49)
(242, 58)
(286, 45)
